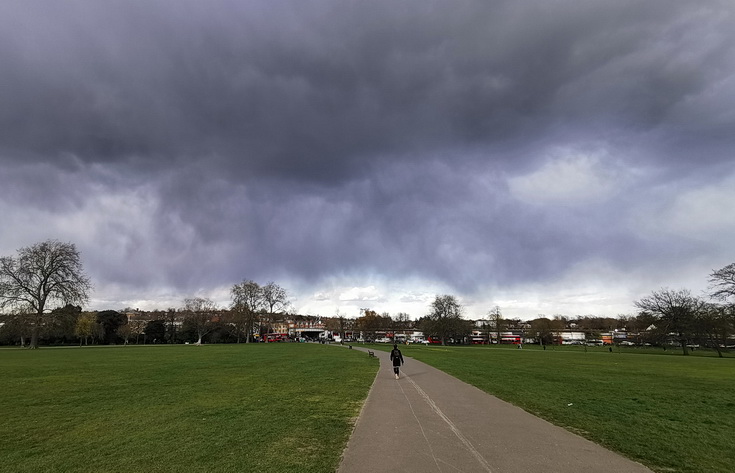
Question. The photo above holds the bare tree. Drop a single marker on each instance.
(496, 317)
(714, 326)
(445, 318)
(238, 317)
(275, 298)
(675, 312)
(137, 327)
(125, 331)
(402, 322)
(200, 313)
(43, 274)
(170, 317)
(722, 282)
(247, 302)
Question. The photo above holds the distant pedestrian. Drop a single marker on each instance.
(397, 358)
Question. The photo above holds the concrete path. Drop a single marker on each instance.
(428, 421)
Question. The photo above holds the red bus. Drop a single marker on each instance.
(510, 339)
(276, 337)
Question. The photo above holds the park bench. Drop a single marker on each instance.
(371, 353)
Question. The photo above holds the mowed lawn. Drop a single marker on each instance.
(670, 412)
(215, 408)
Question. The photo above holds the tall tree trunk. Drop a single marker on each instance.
(248, 330)
(34, 337)
(713, 341)
(684, 347)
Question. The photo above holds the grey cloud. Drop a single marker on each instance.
(285, 89)
(317, 138)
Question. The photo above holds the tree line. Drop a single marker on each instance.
(43, 289)
(198, 318)
(687, 320)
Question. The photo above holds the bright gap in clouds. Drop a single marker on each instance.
(572, 177)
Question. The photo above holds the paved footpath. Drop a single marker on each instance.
(428, 421)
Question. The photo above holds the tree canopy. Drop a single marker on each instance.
(675, 312)
(247, 302)
(445, 318)
(42, 275)
(200, 313)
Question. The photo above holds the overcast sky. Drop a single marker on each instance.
(548, 157)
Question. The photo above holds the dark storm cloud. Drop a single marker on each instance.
(311, 138)
(281, 87)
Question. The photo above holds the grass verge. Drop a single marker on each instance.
(215, 408)
(671, 413)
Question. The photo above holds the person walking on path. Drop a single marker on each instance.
(397, 358)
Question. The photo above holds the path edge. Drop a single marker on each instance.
(362, 409)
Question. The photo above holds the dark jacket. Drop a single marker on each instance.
(396, 357)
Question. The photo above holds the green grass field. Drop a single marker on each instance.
(670, 412)
(291, 407)
(214, 408)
